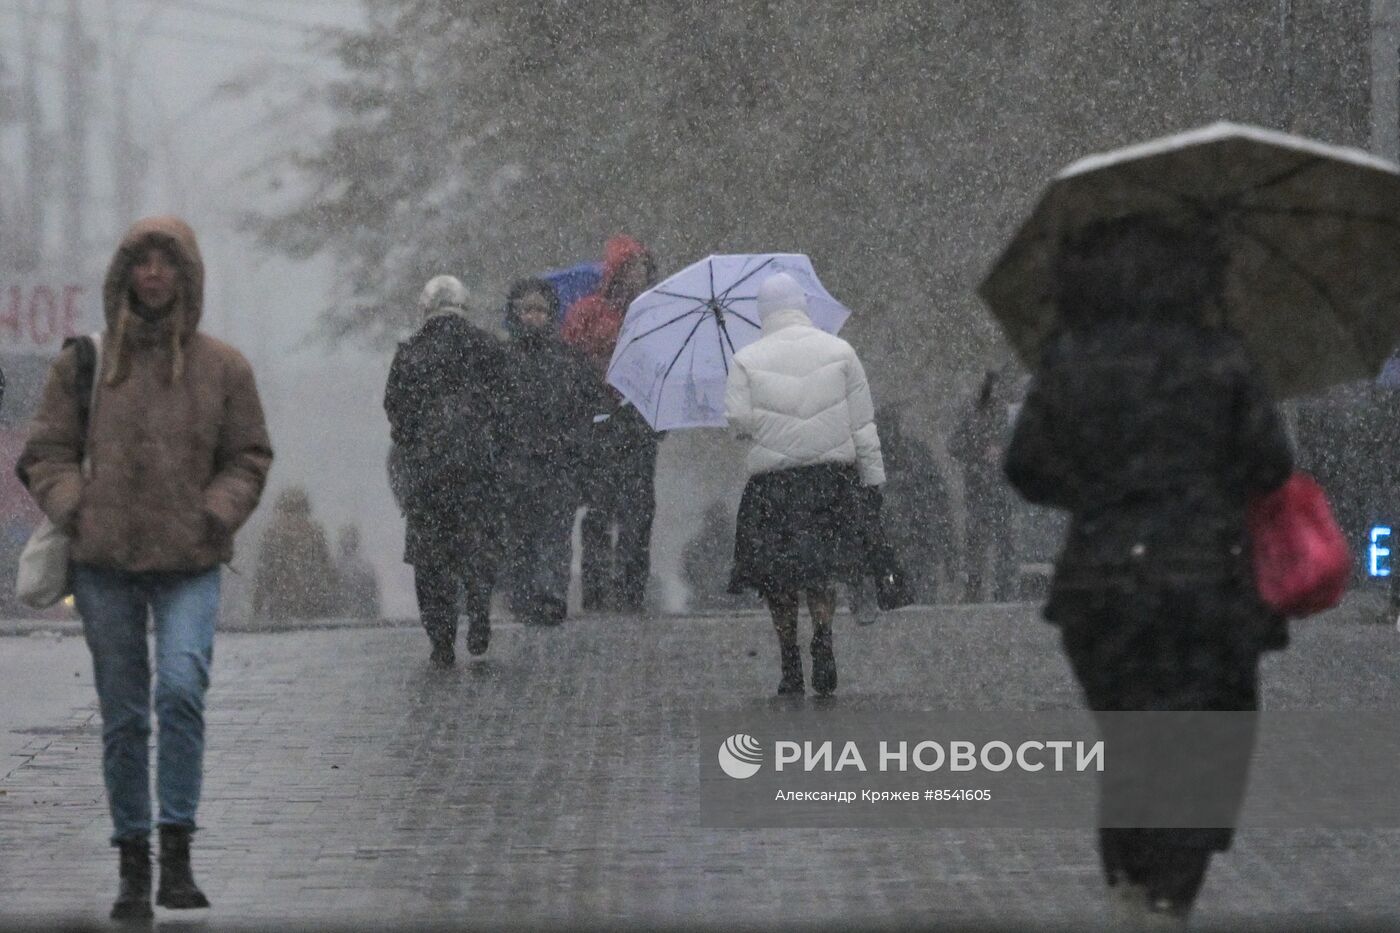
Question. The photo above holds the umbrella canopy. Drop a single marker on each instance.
(673, 352)
(573, 283)
(1312, 232)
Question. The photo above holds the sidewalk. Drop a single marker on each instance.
(553, 783)
(74, 628)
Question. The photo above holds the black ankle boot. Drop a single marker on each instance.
(823, 665)
(478, 635)
(177, 888)
(444, 655)
(134, 896)
(792, 670)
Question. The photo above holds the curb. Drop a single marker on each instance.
(73, 627)
(1359, 607)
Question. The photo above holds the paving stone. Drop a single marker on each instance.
(553, 783)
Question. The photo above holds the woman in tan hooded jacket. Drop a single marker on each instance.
(178, 454)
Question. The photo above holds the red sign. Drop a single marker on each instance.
(37, 315)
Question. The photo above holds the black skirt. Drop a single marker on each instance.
(801, 528)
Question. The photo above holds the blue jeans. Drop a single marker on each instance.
(114, 606)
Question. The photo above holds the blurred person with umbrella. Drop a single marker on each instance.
(1163, 293)
(801, 397)
(619, 491)
(674, 350)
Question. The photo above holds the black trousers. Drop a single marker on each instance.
(621, 504)
(439, 588)
(989, 534)
(538, 549)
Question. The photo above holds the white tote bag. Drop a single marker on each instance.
(42, 577)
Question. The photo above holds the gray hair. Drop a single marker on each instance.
(444, 294)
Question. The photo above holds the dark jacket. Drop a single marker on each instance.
(554, 394)
(1152, 436)
(446, 400)
(917, 513)
(977, 444)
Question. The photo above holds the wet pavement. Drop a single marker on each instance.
(554, 783)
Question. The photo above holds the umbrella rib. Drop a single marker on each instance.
(697, 298)
(724, 296)
(1205, 205)
(740, 317)
(1192, 201)
(678, 317)
(1293, 172)
(723, 306)
(1313, 282)
(675, 359)
(1318, 214)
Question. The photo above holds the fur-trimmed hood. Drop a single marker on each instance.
(175, 329)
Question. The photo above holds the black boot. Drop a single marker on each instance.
(555, 611)
(444, 655)
(823, 664)
(177, 888)
(134, 897)
(791, 684)
(478, 635)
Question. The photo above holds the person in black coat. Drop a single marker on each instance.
(978, 444)
(916, 513)
(554, 394)
(446, 403)
(1152, 429)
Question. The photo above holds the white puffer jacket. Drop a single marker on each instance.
(801, 395)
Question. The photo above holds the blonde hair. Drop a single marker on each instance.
(118, 362)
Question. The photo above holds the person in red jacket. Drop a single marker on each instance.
(619, 488)
(592, 323)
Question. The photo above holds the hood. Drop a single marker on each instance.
(780, 292)
(175, 235)
(531, 286)
(618, 251)
(124, 328)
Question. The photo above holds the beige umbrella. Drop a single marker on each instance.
(1312, 231)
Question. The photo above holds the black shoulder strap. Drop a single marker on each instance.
(86, 354)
